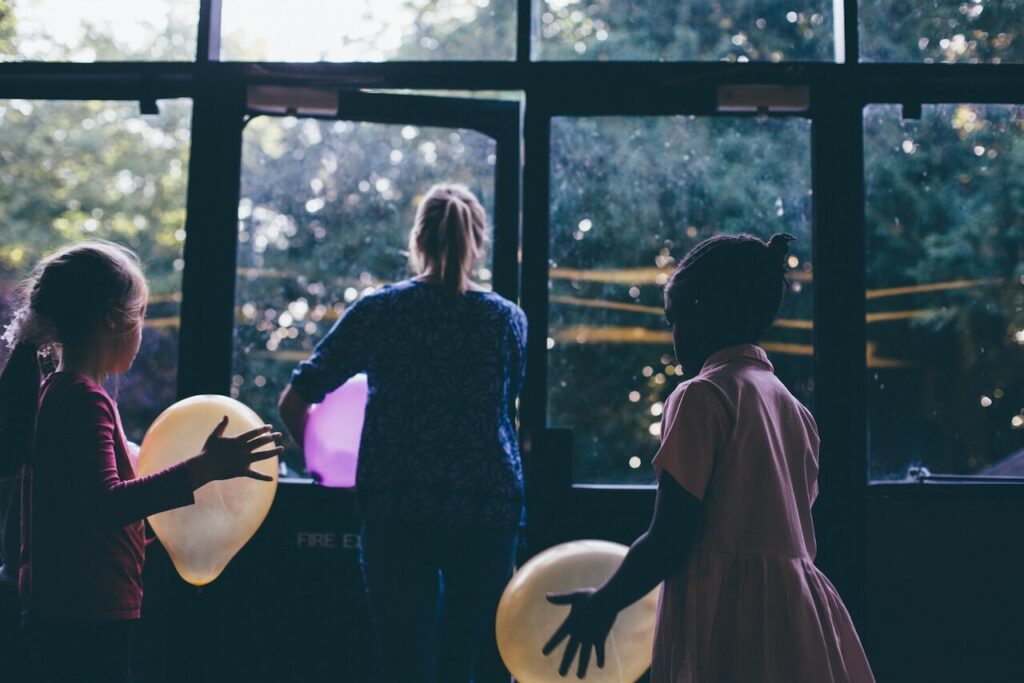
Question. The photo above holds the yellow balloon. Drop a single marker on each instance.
(202, 538)
(526, 620)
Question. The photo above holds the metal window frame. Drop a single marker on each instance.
(839, 92)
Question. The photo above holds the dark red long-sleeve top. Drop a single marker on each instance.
(83, 541)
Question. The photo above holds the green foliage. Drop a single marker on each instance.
(74, 170)
(933, 31)
(7, 27)
(753, 30)
(945, 204)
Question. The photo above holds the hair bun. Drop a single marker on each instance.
(779, 244)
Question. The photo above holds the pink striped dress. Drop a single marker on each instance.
(749, 605)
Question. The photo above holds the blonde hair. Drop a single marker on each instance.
(68, 294)
(72, 290)
(449, 235)
(76, 287)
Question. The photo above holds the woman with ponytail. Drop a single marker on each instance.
(82, 536)
(439, 481)
(732, 536)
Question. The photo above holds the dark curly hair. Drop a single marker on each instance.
(741, 274)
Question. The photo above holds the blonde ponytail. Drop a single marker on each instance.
(449, 235)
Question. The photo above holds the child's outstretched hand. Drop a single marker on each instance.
(586, 627)
(228, 457)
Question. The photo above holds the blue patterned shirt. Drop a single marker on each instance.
(439, 441)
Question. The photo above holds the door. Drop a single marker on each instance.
(329, 185)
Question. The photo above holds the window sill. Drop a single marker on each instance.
(969, 491)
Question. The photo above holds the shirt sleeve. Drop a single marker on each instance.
(517, 365)
(693, 432)
(342, 353)
(114, 501)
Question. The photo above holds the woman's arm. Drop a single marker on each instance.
(655, 556)
(294, 412)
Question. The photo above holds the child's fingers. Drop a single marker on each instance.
(554, 640)
(253, 433)
(581, 667)
(263, 440)
(258, 475)
(263, 455)
(562, 598)
(221, 426)
(568, 656)
(599, 654)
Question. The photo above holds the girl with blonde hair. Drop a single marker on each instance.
(83, 545)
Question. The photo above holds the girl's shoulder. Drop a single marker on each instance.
(70, 386)
(695, 395)
(700, 386)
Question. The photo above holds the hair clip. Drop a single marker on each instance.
(13, 329)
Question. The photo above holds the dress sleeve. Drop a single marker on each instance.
(693, 432)
(342, 353)
(811, 465)
(114, 501)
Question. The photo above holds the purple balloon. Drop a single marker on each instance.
(333, 431)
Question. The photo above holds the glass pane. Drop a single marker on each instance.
(945, 276)
(98, 30)
(368, 30)
(630, 196)
(663, 30)
(973, 31)
(74, 170)
(324, 219)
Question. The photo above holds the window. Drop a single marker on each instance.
(324, 219)
(662, 30)
(945, 299)
(368, 30)
(75, 170)
(98, 30)
(969, 32)
(630, 196)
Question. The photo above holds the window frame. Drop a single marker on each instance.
(498, 120)
(838, 91)
(700, 101)
(884, 89)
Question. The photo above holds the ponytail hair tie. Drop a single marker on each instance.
(12, 331)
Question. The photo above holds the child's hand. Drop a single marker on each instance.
(586, 627)
(225, 458)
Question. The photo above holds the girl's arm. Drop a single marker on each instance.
(117, 502)
(655, 556)
(112, 500)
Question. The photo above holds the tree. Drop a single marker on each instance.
(6, 27)
(73, 170)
